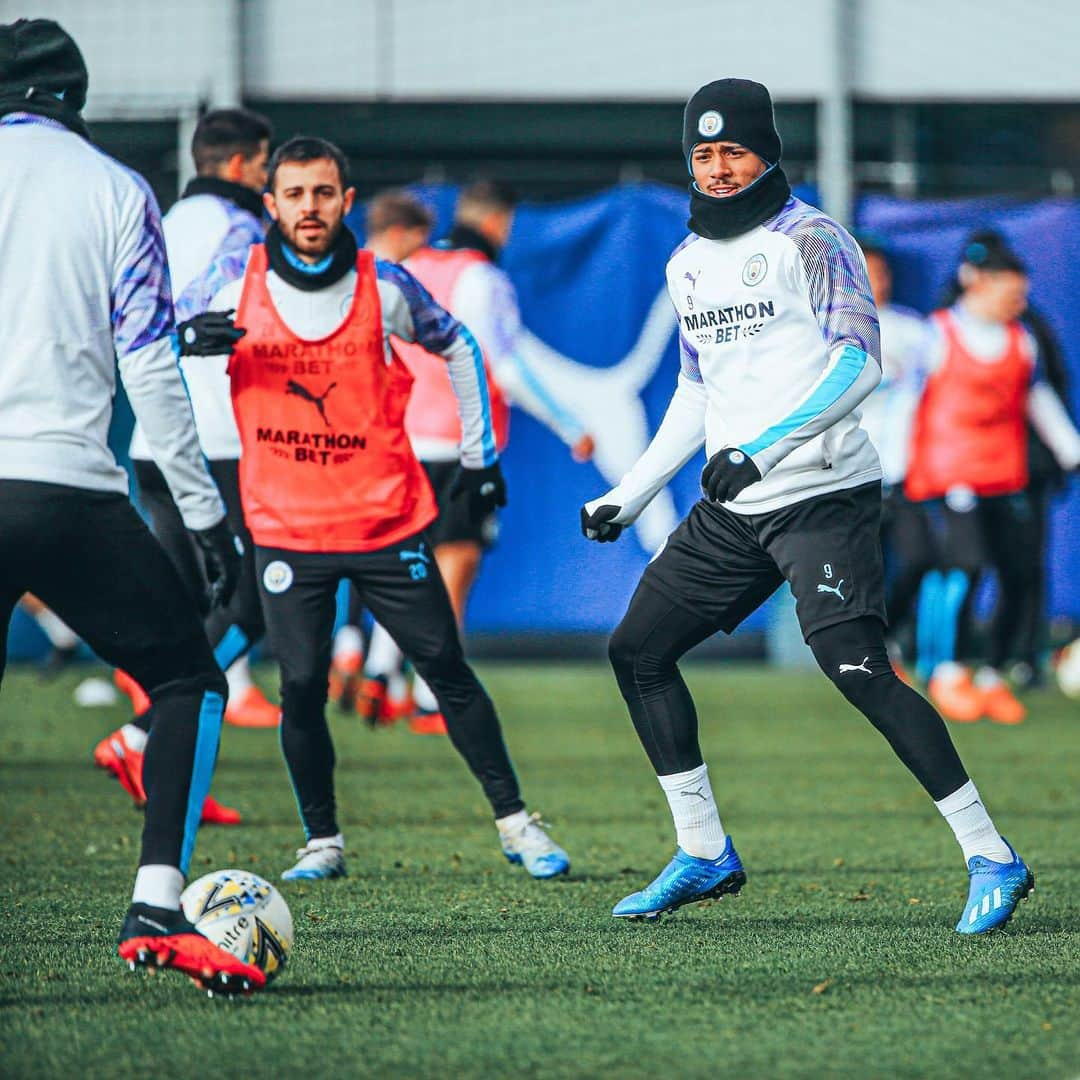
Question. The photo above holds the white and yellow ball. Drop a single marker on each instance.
(243, 914)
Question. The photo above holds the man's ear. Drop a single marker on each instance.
(234, 168)
(349, 199)
(270, 204)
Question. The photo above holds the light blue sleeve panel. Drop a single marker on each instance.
(850, 376)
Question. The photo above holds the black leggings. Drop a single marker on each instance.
(655, 633)
(89, 556)
(401, 586)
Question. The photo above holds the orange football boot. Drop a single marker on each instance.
(114, 754)
(1002, 706)
(345, 670)
(140, 702)
(371, 701)
(215, 813)
(957, 698)
(252, 710)
(427, 723)
(154, 937)
(397, 708)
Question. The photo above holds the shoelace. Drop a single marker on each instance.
(305, 851)
(533, 833)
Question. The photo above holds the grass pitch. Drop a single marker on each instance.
(436, 958)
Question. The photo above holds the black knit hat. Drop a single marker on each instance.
(987, 249)
(39, 54)
(732, 110)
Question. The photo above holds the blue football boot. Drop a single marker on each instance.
(685, 880)
(317, 864)
(531, 847)
(996, 889)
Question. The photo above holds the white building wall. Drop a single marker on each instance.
(149, 56)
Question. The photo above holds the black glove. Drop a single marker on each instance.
(221, 557)
(486, 489)
(212, 333)
(598, 525)
(727, 473)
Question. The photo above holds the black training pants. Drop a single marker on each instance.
(89, 556)
(401, 586)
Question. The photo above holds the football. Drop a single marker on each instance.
(1068, 670)
(244, 914)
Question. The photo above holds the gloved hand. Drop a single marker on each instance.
(727, 473)
(485, 488)
(221, 556)
(212, 333)
(598, 525)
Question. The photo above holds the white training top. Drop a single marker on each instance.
(198, 230)
(408, 310)
(84, 282)
(779, 342)
(484, 299)
(886, 413)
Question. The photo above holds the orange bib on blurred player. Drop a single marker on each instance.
(971, 429)
(326, 464)
(432, 412)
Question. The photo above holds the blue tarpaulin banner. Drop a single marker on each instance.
(590, 281)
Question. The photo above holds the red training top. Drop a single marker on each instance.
(326, 464)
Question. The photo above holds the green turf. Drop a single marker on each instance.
(435, 958)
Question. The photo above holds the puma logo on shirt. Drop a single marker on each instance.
(318, 400)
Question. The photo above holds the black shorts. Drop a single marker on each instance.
(454, 522)
(90, 557)
(400, 585)
(724, 565)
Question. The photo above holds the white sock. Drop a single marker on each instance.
(158, 886)
(320, 842)
(971, 824)
(512, 824)
(135, 737)
(986, 678)
(383, 655)
(697, 821)
(423, 696)
(949, 671)
(348, 641)
(397, 686)
(60, 635)
(238, 676)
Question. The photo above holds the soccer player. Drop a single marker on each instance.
(779, 343)
(84, 281)
(983, 384)
(463, 276)
(906, 535)
(220, 211)
(333, 491)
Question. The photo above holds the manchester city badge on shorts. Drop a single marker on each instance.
(754, 270)
(710, 123)
(277, 576)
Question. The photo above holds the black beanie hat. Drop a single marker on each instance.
(987, 249)
(40, 54)
(732, 110)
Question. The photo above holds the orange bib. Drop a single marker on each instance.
(970, 429)
(433, 408)
(326, 464)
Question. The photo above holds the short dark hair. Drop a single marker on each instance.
(221, 133)
(396, 207)
(874, 244)
(303, 148)
(483, 196)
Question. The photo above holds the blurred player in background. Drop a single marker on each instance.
(906, 535)
(779, 340)
(63, 641)
(219, 212)
(1045, 478)
(983, 383)
(332, 490)
(84, 282)
(463, 276)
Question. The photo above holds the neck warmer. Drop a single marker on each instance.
(42, 103)
(238, 194)
(311, 276)
(721, 219)
(462, 236)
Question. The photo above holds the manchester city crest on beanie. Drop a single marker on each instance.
(40, 55)
(732, 110)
